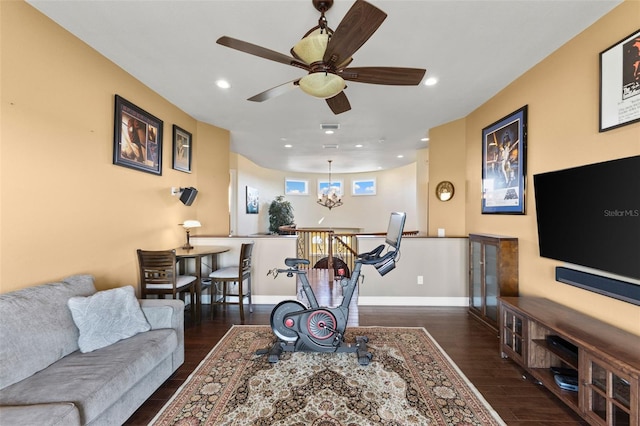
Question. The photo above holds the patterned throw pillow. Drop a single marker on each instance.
(107, 317)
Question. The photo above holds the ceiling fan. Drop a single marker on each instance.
(326, 54)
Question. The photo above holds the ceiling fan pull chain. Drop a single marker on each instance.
(322, 23)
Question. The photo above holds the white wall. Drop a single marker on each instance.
(268, 253)
(396, 191)
(442, 262)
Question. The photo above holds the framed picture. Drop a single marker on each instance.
(336, 186)
(296, 187)
(182, 149)
(363, 186)
(137, 141)
(620, 83)
(504, 146)
(253, 200)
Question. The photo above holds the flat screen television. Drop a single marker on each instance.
(590, 215)
(395, 228)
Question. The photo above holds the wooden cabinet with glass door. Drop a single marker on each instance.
(493, 273)
(609, 393)
(591, 366)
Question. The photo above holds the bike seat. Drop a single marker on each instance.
(292, 262)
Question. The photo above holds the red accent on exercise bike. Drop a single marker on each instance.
(289, 322)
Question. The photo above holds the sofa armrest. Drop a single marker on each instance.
(61, 413)
(167, 313)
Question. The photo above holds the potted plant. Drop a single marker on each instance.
(280, 214)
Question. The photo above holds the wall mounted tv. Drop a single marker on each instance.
(590, 215)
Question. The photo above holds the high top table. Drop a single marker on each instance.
(198, 253)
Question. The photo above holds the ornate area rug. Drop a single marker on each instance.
(410, 381)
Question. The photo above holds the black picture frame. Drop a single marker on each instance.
(504, 153)
(182, 149)
(137, 142)
(620, 83)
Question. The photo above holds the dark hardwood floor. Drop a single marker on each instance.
(471, 345)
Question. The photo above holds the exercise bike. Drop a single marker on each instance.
(321, 329)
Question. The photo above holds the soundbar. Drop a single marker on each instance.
(617, 289)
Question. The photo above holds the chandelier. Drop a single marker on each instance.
(331, 197)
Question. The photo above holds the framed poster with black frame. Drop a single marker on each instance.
(504, 146)
(182, 149)
(137, 141)
(620, 83)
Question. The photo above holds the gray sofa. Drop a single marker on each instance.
(46, 380)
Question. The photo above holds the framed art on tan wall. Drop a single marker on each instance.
(182, 149)
(137, 141)
(620, 83)
(504, 145)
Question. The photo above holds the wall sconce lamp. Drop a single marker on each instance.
(187, 225)
(187, 195)
(445, 190)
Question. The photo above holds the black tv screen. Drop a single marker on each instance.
(590, 215)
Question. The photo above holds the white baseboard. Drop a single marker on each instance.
(413, 301)
(378, 301)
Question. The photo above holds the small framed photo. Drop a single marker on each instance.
(296, 186)
(324, 187)
(253, 200)
(182, 149)
(363, 187)
(504, 145)
(620, 83)
(137, 141)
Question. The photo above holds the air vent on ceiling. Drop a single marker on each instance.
(330, 146)
(329, 126)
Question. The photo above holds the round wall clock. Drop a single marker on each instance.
(444, 190)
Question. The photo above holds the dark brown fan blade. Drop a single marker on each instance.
(360, 22)
(275, 91)
(262, 52)
(384, 75)
(339, 103)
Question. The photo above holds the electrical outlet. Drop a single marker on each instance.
(420, 279)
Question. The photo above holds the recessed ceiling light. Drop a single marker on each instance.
(400, 156)
(359, 145)
(223, 84)
(329, 132)
(430, 81)
(425, 139)
(288, 145)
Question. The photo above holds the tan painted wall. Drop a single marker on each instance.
(447, 149)
(65, 208)
(563, 95)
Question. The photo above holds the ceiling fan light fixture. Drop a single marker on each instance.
(312, 47)
(322, 84)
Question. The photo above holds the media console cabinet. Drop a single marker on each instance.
(549, 339)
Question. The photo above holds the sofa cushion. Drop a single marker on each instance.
(107, 317)
(95, 380)
(36, 328)
(56, 414)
